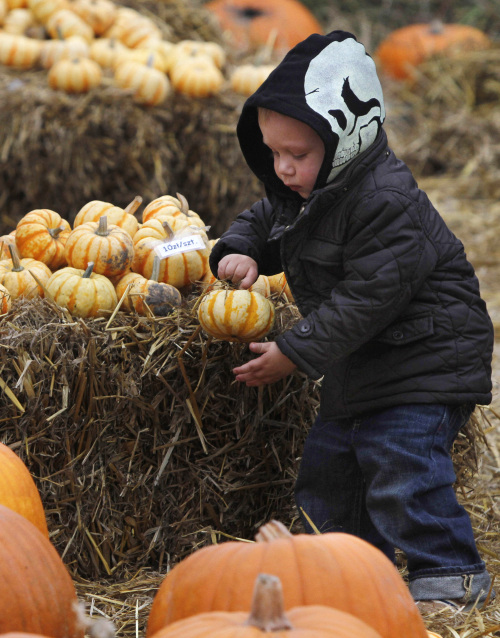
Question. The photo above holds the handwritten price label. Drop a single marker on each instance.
(177, 246)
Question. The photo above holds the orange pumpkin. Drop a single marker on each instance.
(110, 248)
(334, 569)
(16, 276)
(37, 594)
(267, 617)
(252, 23)
(406, 48)
(41, 235)
(18, 490)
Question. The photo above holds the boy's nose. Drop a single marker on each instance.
(285, 168)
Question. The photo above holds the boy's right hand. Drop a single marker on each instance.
(241, 270)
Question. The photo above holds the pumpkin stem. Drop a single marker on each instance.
(168, 230)
(155, 272)
(134, 205)
(267, 612)
(16, 263)
(88, 271)
(184, 204)
(102, 229)
(272, 531)
(55, 232)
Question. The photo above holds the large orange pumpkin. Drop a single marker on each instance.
(268, 618)
(334, 569)
(18, 489)
(37, 594)
(252, 23)
(406, 48)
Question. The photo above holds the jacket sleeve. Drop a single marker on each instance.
(387, 257)
(248, 235)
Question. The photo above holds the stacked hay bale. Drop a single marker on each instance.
(60, 149)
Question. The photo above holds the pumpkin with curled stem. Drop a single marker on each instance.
(41, 234)
(121, 217)
(267, 617)
(147, 296)
(82, 292)
(333, 569)
(23, 277)
(109, 247)
(37, 594)
(408, 47)
(18, 489)
(236, 315)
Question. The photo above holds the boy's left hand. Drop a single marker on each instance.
(271, 366)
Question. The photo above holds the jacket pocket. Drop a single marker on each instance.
(406, 331)
(322, 264)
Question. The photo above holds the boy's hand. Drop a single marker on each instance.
(270, 367)
(240, 269)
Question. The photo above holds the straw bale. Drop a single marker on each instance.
(142, 442)
(448, 121)
(59, 151)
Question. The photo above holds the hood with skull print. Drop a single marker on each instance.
(330, 83)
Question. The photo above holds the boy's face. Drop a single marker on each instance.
(297, 149)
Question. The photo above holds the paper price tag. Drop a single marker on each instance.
(183, 245)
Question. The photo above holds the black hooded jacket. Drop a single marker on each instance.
(391, 307)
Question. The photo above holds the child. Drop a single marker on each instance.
(393, 321)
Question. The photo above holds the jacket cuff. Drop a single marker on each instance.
(303, 365)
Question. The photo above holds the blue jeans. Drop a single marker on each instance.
(388, 477)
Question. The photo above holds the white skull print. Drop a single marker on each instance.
(341, 84)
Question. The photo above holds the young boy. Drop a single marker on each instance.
(393, 321)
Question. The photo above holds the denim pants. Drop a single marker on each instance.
(388, 477)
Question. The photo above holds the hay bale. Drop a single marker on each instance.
(446, 123)
(140, 439)
(142, 444)
(60, 151)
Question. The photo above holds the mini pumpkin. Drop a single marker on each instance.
(19, 51)
(18, 489)
(267, 617)
(236, 315)
(122, 217)
(147, 84)
(5, 242)
(54, 50)
(82, 292)
(65, 23)
(41, 234)
(147, 296)
(23, 277)
(179, 270)
(406, 48)
(18, 21)
(333, 569)
(44, 9)
(99, 14)
(108, 247)
(33, 577)
(5, 300)
(189, 48)
(196, 76)
(105, 51)
(279, 285)
(75, 75)
(247, 78)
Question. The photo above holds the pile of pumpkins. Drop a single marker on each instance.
(82, 43)
(331, 585)
(109, 260)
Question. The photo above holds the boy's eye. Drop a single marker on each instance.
(298, 157)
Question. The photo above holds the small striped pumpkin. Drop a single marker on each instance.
(236, 315)
(41, 234)
(75, 75)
